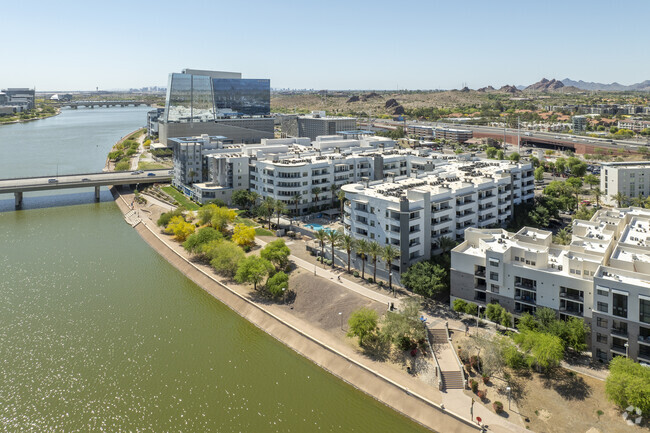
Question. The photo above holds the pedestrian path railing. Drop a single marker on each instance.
(460, 364)
(433, 355)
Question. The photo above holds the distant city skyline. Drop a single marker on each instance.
(74, 45)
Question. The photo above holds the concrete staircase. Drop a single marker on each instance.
(439, 336)
(452, 380)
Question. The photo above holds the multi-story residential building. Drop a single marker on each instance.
(217, 103)
(579, 124)
(636, 125)
(21, 97)
(440, 133)
(415, 211)
(153, 117)
(315, 125)
(602, 277)
(631, 179)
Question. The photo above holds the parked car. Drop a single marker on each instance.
(52, 180)
(151, 174)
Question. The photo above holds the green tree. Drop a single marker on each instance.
(446, 244)
(244, 199)
(514, 157)
(491, 152)
(362, 323)
(278, 284)
(226, 257)
(404, 327)
(506, 319)
(471, 309)
(167, 216)
(267, 207)
(388, 254)
(493, 312)
(333, 237)
(296, 201)
(276, 252)
(321, 237)
(563, 237)
(620, 199)
(341, 197)
(545, 349)
(348, 243)
(363, 249)
(540, 216)
(539, 174)
(316, 191)
(527, 322)
(500, 155)
(560, 165)
(545, 317)
(592, 180)
(252, 270)
(597, 193)
(196, 240)
(628, 384)
(179, 228)
(584, 213)
(425, 278)
(459, 305)
(222, 217)
(280, 208)
(576, 334)
(374, 252)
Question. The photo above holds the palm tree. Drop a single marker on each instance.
(388, 254)
(280, 208)
(446, 244)
(638, 201)
(619, 198)
(334, 238)
(597, 193)
(341, 197)
(321, 237)
(316, 191)
(296, 200)
(563, 237)
(335, 188)
(267, 207)
(348, 243)
(363, 248)
(374, 251)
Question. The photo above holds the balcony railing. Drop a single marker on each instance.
(526, 299)
(566, 295)
(480, 273)
(525, 286)
(618, 349)
(481, 287)
(621, 332)
(644, 340)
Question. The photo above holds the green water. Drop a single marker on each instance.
(99, 333)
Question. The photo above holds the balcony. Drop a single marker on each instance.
(620, 332)
(618, 349)
(525, 285)
(481, 287)
(571, 310)
(572, 296)
(480, 272)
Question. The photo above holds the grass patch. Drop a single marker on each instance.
(145, 165)
(246, 221)
(263, 232)
(180, 198)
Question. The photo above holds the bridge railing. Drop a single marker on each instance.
(158, 170)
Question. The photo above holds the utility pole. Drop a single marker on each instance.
(518, 136)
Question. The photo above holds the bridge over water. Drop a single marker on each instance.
(19, 186)
(92, 104)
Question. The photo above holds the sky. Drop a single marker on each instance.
(327, 44)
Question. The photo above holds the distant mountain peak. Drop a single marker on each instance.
(546, 85)
(612, 87)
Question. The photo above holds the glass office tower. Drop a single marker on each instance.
(201, 98)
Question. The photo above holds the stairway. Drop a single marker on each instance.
(452, 380)
(438, 336)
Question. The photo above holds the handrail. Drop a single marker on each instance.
(460, 364)
(438, 369)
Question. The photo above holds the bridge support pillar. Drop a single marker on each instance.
(19, 200)
(97, 193)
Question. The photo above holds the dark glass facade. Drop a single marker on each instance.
(199, 98)
(245, 96)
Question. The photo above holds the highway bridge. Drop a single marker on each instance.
(97, 180)
(92, 104)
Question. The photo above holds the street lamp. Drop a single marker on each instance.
(478, 315)
(284, 298)
(390, 282)
(341, 320)
(508, 389)
(627, 346)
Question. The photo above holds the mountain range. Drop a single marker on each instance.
(584, 85)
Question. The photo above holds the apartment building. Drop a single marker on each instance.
(579, 124)
(602, 277)
(632, 179)
(414, 210)
(452, 134)
(315, 124)
(635, 125)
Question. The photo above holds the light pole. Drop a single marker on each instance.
(390, 282)
(627, 346)
(478, 315)
(508, 389)
(341, 320)
(284, 298)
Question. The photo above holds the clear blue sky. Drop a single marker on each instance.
(326, 44)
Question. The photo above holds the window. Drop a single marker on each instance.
(532, 263)
(619, 305)
(494, 288)
(644, 310)
(494, 276)
(601, 322)
(601, 292)
(601, 355)
(516, 258)
(600, 338)
(603, 307)
(494, 262)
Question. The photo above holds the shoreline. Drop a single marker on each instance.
(388, 391)
(58, 111)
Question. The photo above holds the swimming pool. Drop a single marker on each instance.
(318, 227)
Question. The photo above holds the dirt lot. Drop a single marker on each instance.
(564, 402)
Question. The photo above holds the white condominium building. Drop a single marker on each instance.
(631, 179)
(603, 277)
(414, 212)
